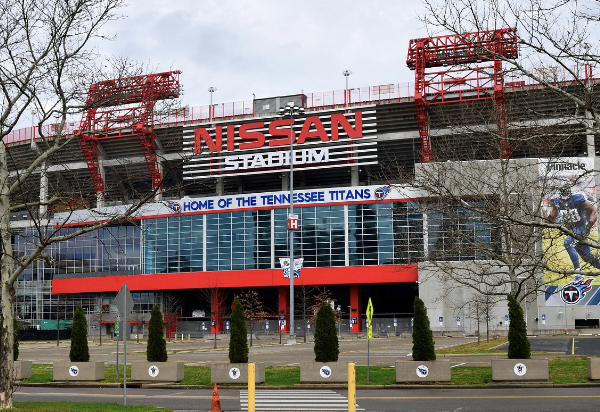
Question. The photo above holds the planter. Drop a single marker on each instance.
(22, 370)
(77, 371)
(323, 372)
(532, 370)
(423, 371)
(235, 373)
(157, 371)
(593, 365)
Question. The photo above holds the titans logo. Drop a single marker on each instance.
(576, 290)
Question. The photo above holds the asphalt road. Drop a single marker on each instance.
(496, 399)
(383, 351)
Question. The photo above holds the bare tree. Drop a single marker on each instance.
(100, 317)
(172, 306)
(323, 295)
(254, 310)
(47, 68)
(304, 306)
(558, 41)
(213, 297)
(481, 310)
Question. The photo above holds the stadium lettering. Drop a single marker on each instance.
(275, 159)
(251, 135)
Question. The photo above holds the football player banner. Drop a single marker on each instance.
(285, 265)
(569, 199)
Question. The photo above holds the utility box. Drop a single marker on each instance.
(270, 105)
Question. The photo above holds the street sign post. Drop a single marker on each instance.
(369, 333)
(124, 302)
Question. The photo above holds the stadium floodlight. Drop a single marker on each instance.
(291, 110)
(347, 74)
(211, 109)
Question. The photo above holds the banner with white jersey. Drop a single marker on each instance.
(285, 265)
(569, 199)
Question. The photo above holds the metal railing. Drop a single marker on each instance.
(238, 110)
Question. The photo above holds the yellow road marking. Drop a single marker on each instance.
(480, 397)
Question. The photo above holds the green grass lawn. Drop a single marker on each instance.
(473, 347)
(562, 370)
(568, 370)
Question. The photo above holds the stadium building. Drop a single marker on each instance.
(219, 222)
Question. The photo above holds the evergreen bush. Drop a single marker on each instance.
(518, 342)
(423, 344)
(79, 343)
(326, 341)
(156, 349)
(238, 342)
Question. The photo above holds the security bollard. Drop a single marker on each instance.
(351, 387)
(251, 387)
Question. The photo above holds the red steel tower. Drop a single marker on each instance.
(120, 108)
(462, 83)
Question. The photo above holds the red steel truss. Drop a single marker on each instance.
(462, 84)
(120, 108)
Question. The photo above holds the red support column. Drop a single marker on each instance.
(356, 307)
(217, 309)
(284, 309)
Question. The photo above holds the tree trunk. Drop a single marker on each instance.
(7, 267)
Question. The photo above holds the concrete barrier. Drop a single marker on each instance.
(593, 365)
(157, 371)
(429, 371)
(533, 370)
(323, 372)
(235, 373)
(22, 370)
(77, 371)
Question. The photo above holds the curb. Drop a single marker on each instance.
(491, 385)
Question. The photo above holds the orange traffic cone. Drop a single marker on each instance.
(216, 403)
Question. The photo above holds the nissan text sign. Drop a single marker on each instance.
(334, 139)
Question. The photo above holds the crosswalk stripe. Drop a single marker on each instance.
(297, 400)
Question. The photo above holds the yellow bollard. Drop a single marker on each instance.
(351, 388)
(188, 337)
(251, 387)
(182, 337)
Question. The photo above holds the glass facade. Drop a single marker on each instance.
(331, 235)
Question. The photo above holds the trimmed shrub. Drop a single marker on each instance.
(423, 344)
(238, 342)
(79, 343)
(156, 349)
(327, 347)
(518, 342)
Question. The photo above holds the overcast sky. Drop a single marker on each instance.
(268, 47)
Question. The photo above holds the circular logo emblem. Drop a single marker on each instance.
(234, 373)
(153, 371)
(571, 294)
(520, 369)
(73, 370)
(422, 371)
(325, 372)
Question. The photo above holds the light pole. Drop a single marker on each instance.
(291, 110)
(211, 111)
(347, 74)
